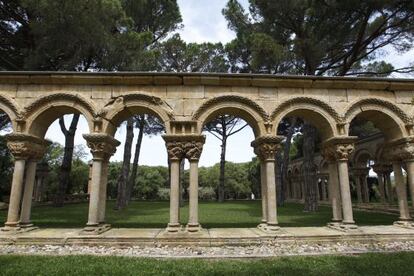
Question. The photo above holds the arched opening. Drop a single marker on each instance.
(138, 174)
(229, 171)
(306, 126)
(373, 180)
(6, 164)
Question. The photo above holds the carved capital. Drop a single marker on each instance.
(184, 146)
(400, 150)
(265, 147)
(24, 146)
(336, 149)
(102, 146)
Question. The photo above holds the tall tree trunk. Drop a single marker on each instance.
(121, 199)
(309, 168)
(222, 169)
(134, 171)
(64, 174)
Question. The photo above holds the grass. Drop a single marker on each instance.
(146, 214)
(365, 264)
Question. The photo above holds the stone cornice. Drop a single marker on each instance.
(208, 79)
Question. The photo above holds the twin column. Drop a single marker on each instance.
(181, 147)
(265, 148)
(337, 151)
(102, 147)
(27, 151)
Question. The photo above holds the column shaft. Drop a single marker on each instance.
(381, 186)
(334, 192)
(193, 224)
(410, 176)
(271, 193)
(103, 192)
(401, 191)
(174, 224)
(16, 193)
(358, 187)
(390, 190)
(94, 197)
(365, 188)
(28, 193)
(348, 217)
(263, 190)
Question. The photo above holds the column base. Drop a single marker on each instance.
(262, 225)
(193, 227)
(341, 226)
(271, 228)
(173, 227)
(404, 223)
(95, 229)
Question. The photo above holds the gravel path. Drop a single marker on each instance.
(265, 250)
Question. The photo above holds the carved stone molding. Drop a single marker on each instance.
(184, 146)
(230, 98)
(265, 147)
(307, 100)
(102, 146)
(383, 104)
(45, 100)
(24, 146)
(338, 148)
(400, 150)
(9, 103)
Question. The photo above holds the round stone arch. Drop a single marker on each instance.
(361, 157)
(320, 114)
(386, 116)
(123, 107)
(239, 106)
(40, 114)
(10, 108)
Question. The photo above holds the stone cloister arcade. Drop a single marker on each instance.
(185, 102)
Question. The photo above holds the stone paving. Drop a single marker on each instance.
(210, 243)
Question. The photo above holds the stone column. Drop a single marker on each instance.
(401, 192)
(365, 187)
(388, 186)
(357, 179)
(176, 152)
(193, 152)
(379, 170)
(340, 148)
(23, 147)
(102, 147)
(263, 192)
(410, 177)
(265, 148)
(28, 194)
(334, 192)
(103, 191)
(399, 151)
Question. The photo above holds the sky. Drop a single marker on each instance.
(203, 22)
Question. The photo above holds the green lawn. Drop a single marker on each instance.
(145, 214)
(366, 264)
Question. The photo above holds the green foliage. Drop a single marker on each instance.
(178, 56)
(317, 37)
(84, 35)
(6, 168)
(150, 180)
